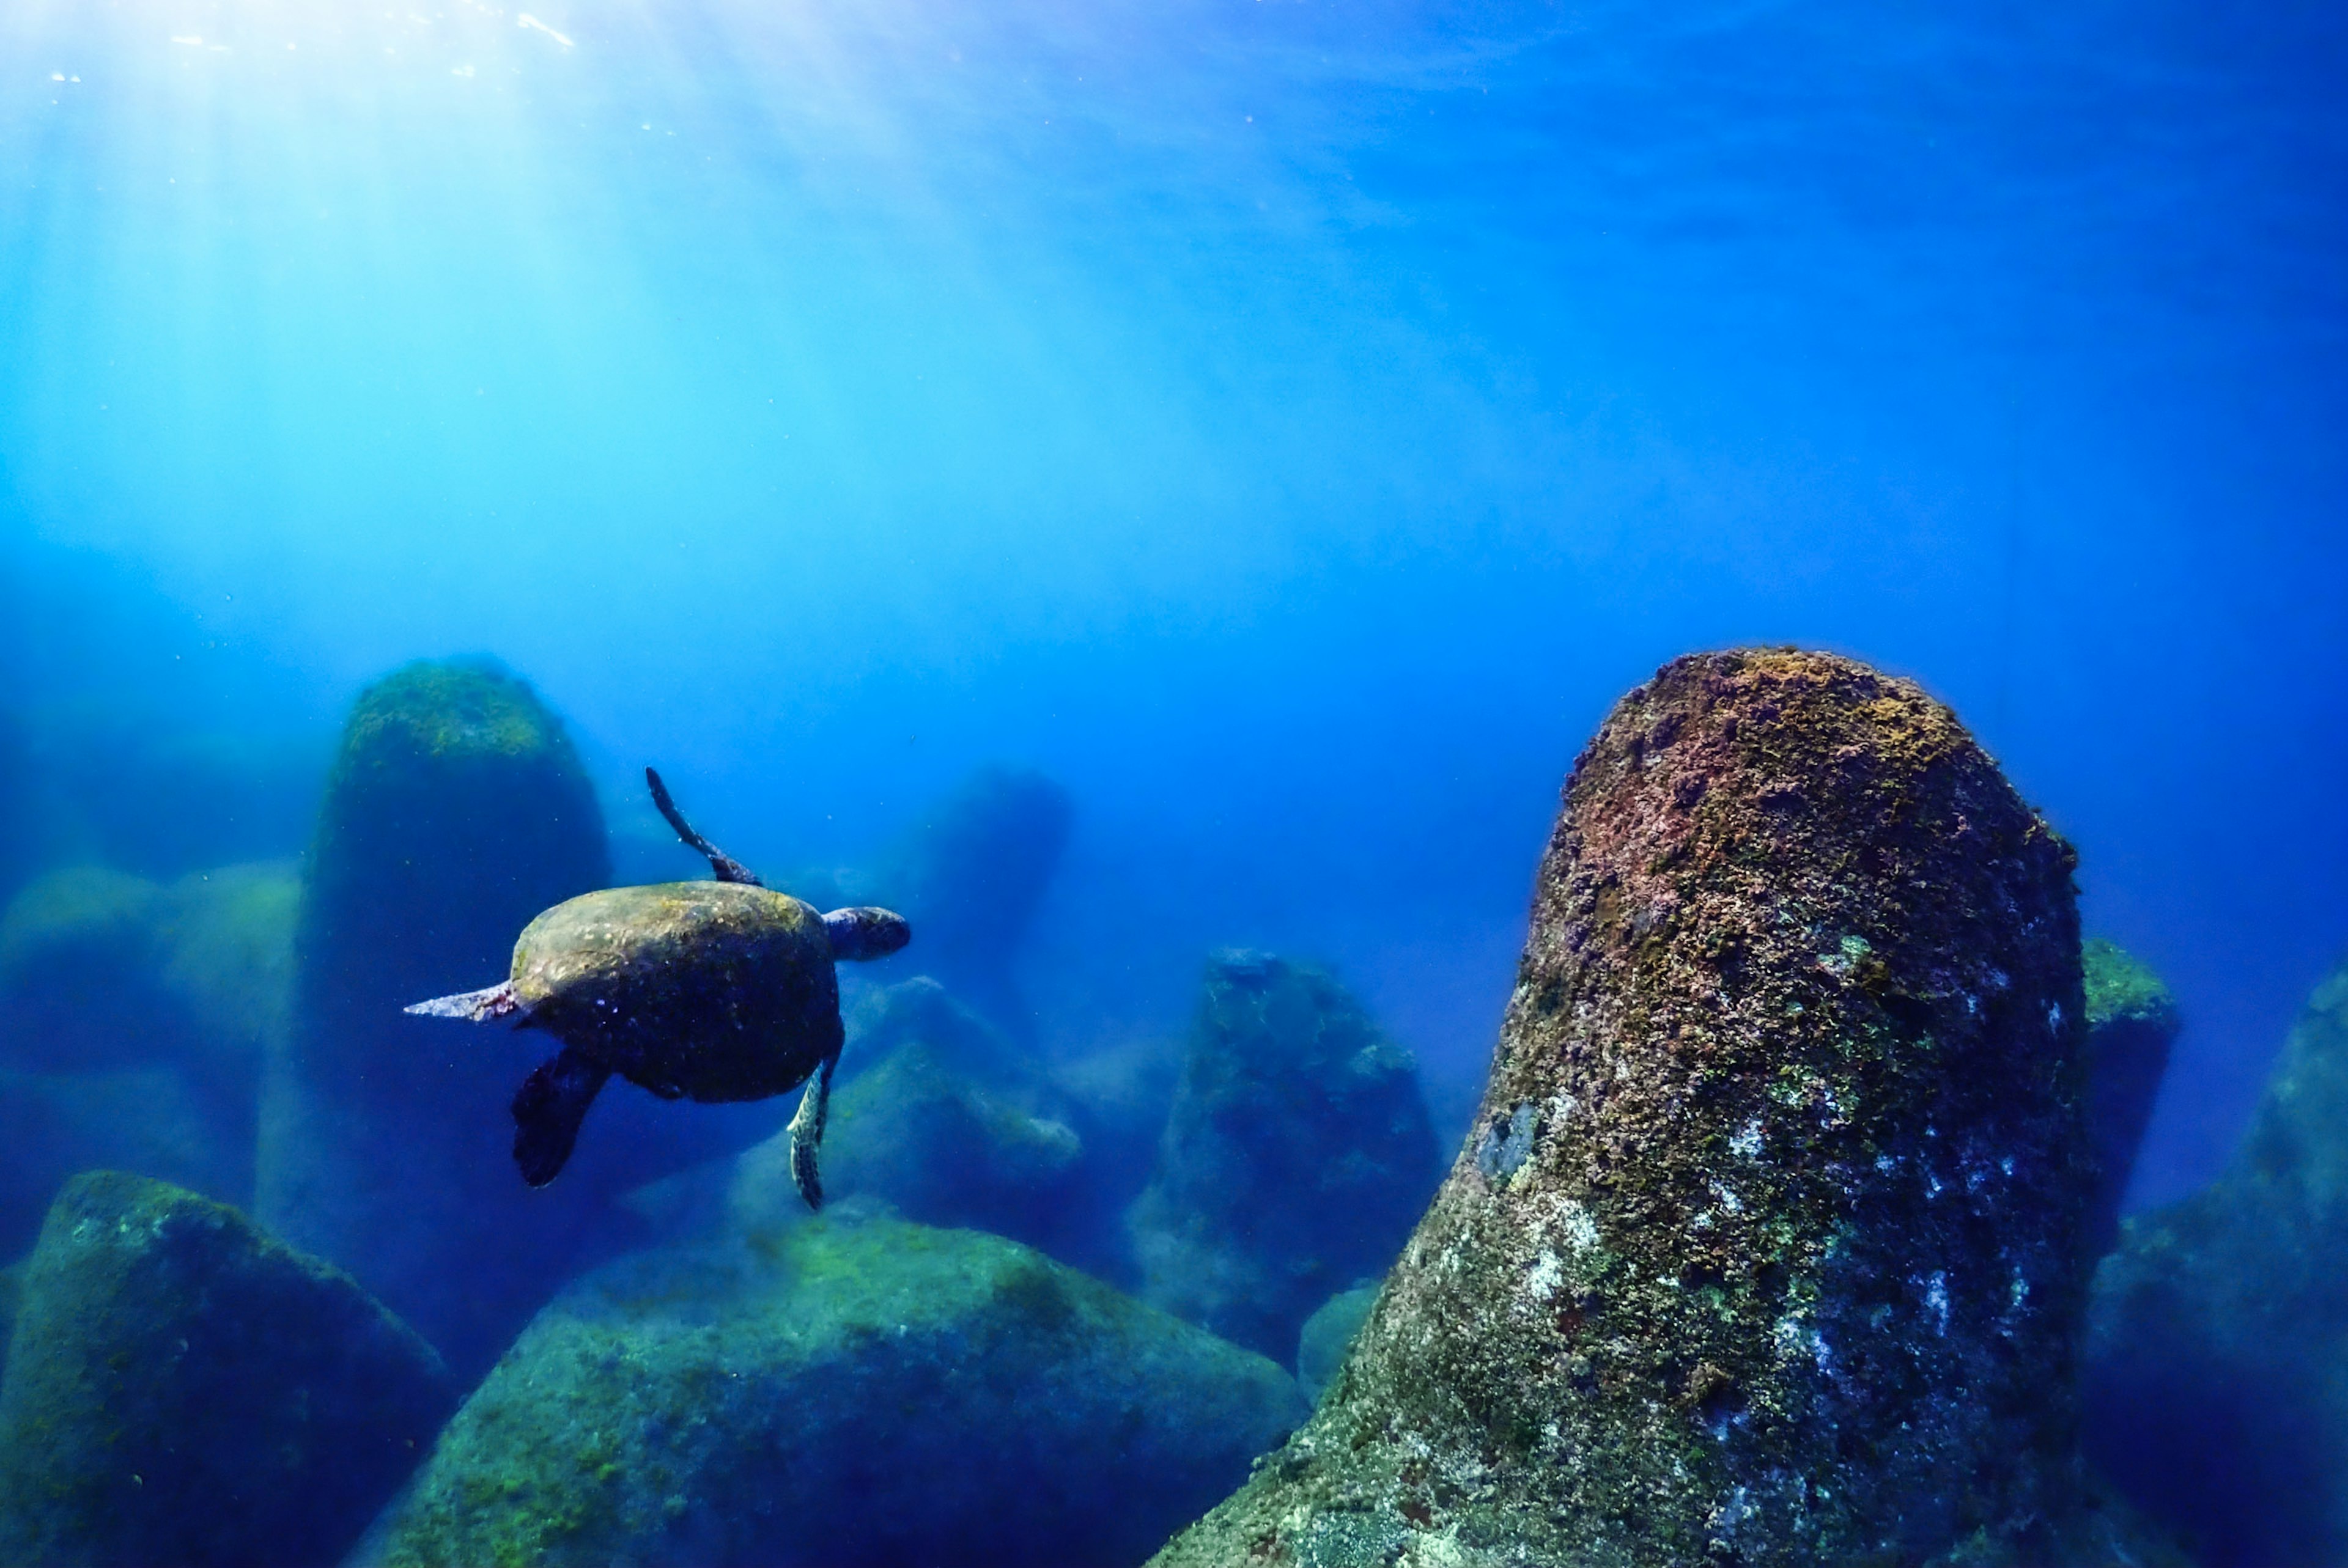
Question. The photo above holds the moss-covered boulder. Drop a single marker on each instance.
(2218, 1360)
(1297, 1155)
(182, 1389)
(1764, 1246)
(938, 1145)
(846, 1390)
(2132, 1024)
(456, 811)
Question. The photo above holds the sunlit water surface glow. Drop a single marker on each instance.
(1289, 424)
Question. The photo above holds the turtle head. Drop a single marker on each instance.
(865, 933)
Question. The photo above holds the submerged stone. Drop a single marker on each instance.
(181, 1388)
(456, 811)
(2131, 1026)
(2219, 1331)
(1296, 1155)
(1766, 1246)
(848, 1389)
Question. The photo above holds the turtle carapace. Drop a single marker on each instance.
(703, 990)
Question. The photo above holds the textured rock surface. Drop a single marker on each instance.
(1296, 1155)
(2131, 1025)
(1764, 1249)
(183, 1390)
(456, 811)
(847, 1390)
(2218, 1357)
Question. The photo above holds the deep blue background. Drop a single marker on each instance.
(1290, 423)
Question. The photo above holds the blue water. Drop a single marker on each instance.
(1289, 424)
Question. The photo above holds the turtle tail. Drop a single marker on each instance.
(547, 1110)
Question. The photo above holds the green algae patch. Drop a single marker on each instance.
(1765, 1247)
(181, 1388)
(2119, 986)
(848, 1390)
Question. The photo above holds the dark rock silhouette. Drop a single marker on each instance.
(456, 811)
(970, 879)
(2219, 1329)
(1296, 1157)
(181, 1388)
(1766, 1245)
(845, 1391)
(2131, 1025)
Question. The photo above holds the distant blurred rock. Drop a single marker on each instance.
(1767, 1252)
(2131, 1025)
(140, 1013)
(848, 1391)
(1328, 1334)
(183, 1390)
(970, 879)
(456, 811)
(2218, 1354)
(1294, 1160)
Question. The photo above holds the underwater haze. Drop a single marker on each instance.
(1285, 425)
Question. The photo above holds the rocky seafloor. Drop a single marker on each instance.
(1774, 1240)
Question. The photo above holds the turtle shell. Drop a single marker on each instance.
(715, 990)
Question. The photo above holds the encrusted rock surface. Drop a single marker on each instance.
(182, 1389)
(456, 811)
(2218, 1360)
(1296, 1155)
(2132, 1024)
(844, 1391)
(1765, 1248)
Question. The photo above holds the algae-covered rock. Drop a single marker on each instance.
(151, 1121)
(1764, 1246)
(2131, 1025)
(182, 1389)
(1296, 1157)
(2218, 1357)
(80, 970)
(938, 1145)
(456, 811)
(848, 1391)
(1328, 1334)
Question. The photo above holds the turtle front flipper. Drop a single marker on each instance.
(722, 865)
(547, 1110)
(806, 1132)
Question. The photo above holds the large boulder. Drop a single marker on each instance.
(2218, 1361)
(847, 1390)
(182, 1389)
(2132, 1024)
(456, 811)
(1296, 1155)
(1765, 1247)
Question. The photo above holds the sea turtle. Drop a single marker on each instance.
(712, 991)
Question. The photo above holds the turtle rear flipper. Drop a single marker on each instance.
(474, 1007)
(547, 1110)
